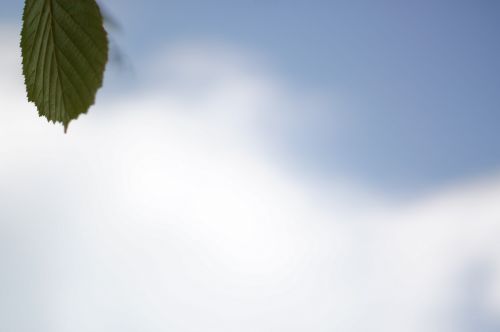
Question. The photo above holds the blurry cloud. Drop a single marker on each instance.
(169, 209)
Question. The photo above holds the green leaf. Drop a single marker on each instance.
(65, 51)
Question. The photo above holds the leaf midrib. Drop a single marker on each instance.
(58, 79)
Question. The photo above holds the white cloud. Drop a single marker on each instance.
(166, 210)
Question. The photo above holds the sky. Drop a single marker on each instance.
(411, 85)
(261, 166)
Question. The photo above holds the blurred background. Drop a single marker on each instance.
(261, 166)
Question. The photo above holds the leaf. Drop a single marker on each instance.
(65, 50)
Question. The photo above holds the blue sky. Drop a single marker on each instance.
(418, 80)
(261, 166)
